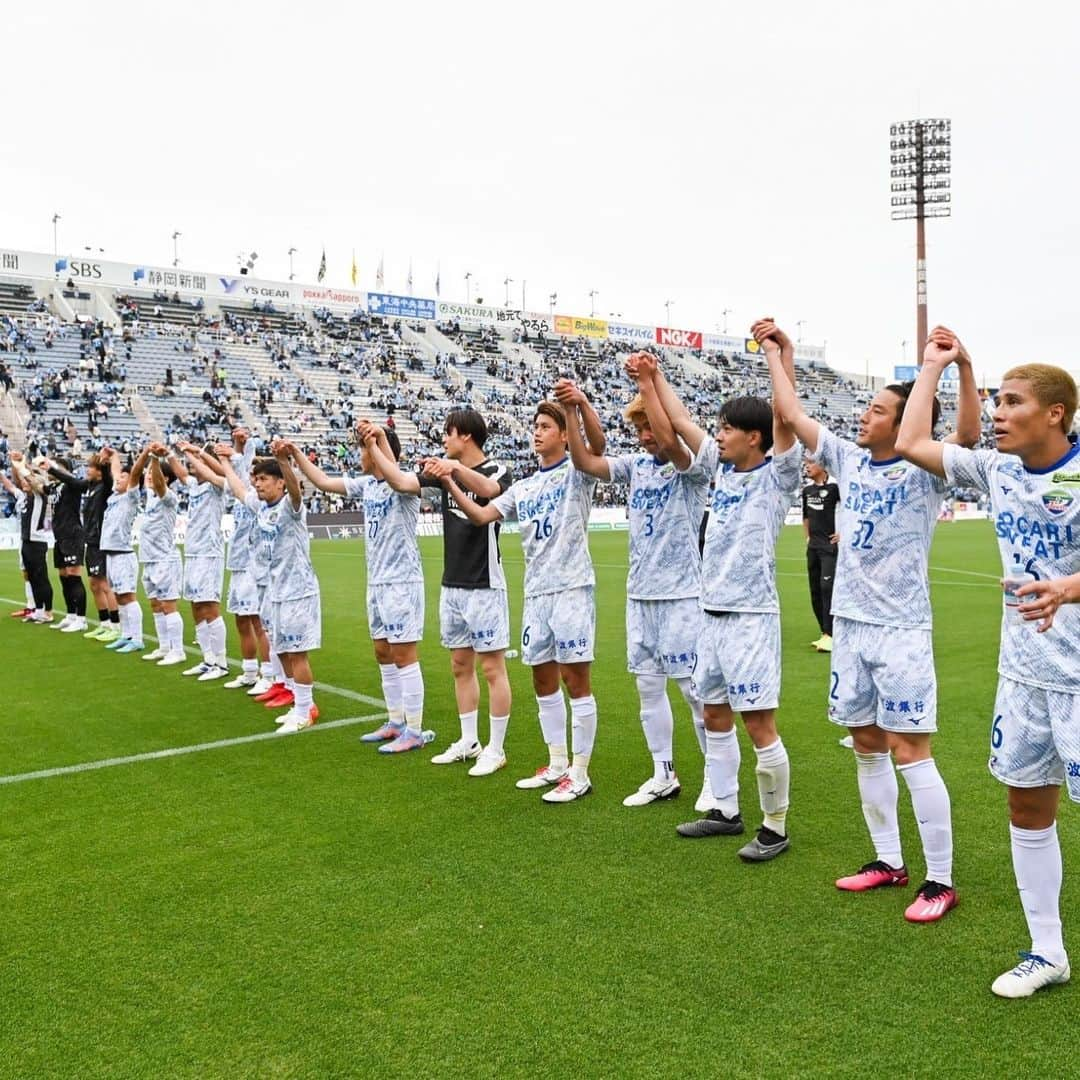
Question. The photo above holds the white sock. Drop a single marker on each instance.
(498, 733)
(29, 595)
(879, 793)
(391, 689)
(302, 698)
(174, 631)
(266, 670)
(131, 621)
(203, 638)
(933, 812)
(697, 710)
(583, 730)
(1036, 855)
(722, 759)
(159, 629)
(277, 672)
(249, 667)
(412, 696)
(773, 773)
(215, 635)
(469, 726)
(657, 723)
(553, 720)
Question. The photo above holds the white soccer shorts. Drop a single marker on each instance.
(882, 675)
(738, 662)
(243, 594)
(297, 624)
(474, 619)
(662, 636)
(203, 578)
(123, 572)
(396, 612)
(559, 626)
(162, 578)
(1035, 737)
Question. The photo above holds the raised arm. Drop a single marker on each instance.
(775, 340)
(7, 485)
(477, 514)
(157, 477)
(135, 476)
(785, 402)
(671, 446)
(968, 406)
(677, 412)
(915, 440)
(379, 448)
(201, 466)
(237, 484)
(582, 448)
(61, 474)
(285, 452)
(479, 484)
(333, 484)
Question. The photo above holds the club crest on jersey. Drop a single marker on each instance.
(894, 473)
(666, 470)
(1057, 500)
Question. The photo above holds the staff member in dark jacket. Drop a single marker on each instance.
(819, 502)
(70, 542)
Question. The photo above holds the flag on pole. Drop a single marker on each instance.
(322, 266)
(438, 274)
(409, 280)
(379, 274)
(353, 274)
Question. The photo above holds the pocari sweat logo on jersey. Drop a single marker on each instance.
(1057, 500)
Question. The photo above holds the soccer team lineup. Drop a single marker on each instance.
(705, 511)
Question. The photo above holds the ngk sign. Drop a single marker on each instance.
(679, 339)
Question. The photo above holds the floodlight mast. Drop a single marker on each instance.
(920, 156)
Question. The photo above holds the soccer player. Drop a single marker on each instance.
(738, 662)
(19, 497)
(1033, 481)
(70, 542)
(36, 531)
(395, 586)
(204, 561)
(882, 682)
(663, 615)
(163, 569)
(244, 598)
(819, 502)
(474, 617)
(121, 564)
(559, 619)
(296, 618)
(100, 481)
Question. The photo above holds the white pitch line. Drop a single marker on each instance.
(340, 691)
(177, 751)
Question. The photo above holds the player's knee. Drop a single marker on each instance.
(907, 749)
(462, 663)
(404, 653)
(1033, 808)
(870, 740)
(652, 689)
(576, 678)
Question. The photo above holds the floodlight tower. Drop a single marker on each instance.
(920, 156)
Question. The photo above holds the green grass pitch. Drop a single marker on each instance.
(305, 907)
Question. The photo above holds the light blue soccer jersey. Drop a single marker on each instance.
(284, 531)
(206, 504)
(665, 508)
(1037, 521)
(121, 509)
(552, 508)
(746, 515)
(390, 519)
(157, 536)
(886, 518)
(239, 557)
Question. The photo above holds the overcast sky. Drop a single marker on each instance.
(718, 156)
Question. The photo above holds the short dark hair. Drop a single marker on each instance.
(267, 466)
(903, 392)
(552, 409)
(750, 414)
(467, 422)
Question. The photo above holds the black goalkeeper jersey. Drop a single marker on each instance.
(471, 558)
